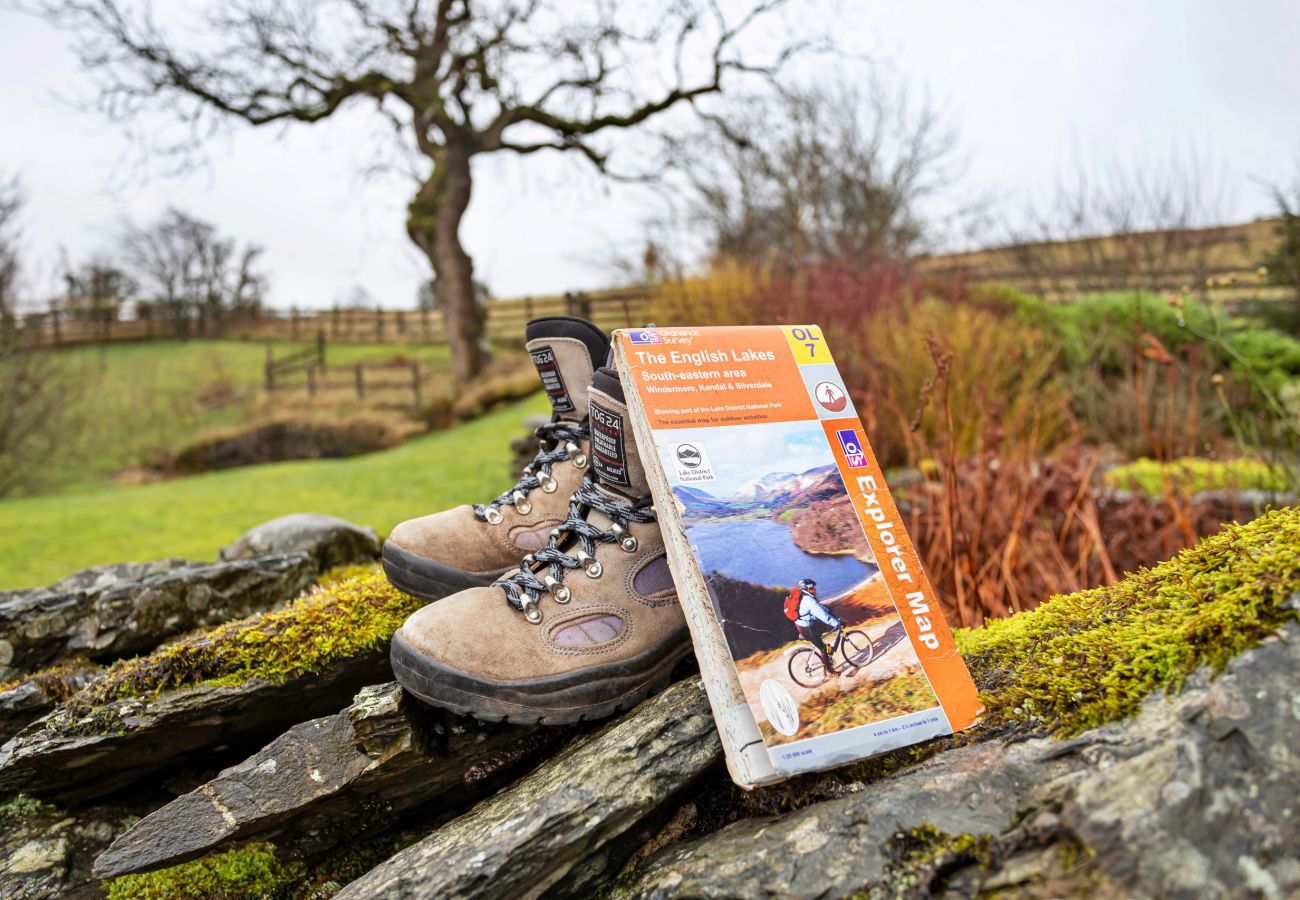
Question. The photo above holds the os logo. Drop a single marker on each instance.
(689, 456)
(853, 454)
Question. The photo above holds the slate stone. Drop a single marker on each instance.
(328, 540)
(110, 612)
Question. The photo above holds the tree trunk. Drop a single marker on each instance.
(434, 225)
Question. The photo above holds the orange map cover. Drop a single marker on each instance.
(781, 534)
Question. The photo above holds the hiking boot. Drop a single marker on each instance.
(471, 546)
(584, 627)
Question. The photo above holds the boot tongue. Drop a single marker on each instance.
(614, 456)
(566, 351)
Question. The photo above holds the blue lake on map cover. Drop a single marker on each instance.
(761, 551)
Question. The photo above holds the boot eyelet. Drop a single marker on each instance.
(523, 508)
(549, 484)
(558, 590)
(590, 564)
(625, 540)
(531, 612)
(493, 516)
(576, 456)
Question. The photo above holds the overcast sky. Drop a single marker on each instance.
(1030, 88)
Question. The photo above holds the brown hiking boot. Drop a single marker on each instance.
(470, 546)
(584, 627)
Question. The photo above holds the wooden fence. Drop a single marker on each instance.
(307, 371)
(1216, 263)
(614, 308)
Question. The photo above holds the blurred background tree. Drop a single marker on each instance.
(816, 172)
(191, 273)
(1283, 263)
(11, 204)
(458, 79)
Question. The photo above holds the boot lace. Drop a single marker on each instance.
(524, 589)
(560, 441)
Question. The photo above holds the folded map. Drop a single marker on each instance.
(818, 635)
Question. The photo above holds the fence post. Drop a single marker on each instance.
(269, 370)
(415, 384)
(401, 322)
(424, 326)
(320, 347)
(361, 382)
(379, 324)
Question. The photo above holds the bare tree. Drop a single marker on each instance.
(463, 78)
(819, 172)
(96, 290)
(188, 270)
(37, 401)
(11, 204)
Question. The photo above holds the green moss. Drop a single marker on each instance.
(22, 807)
(341, 620)
(920, 857)
(1084, 659)
(1192, 474)
(251, 871)
(59, 682)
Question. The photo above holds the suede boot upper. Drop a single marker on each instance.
(488, 539)
(616, 610)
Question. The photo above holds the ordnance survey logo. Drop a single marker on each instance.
(644, 336)
(852, 449)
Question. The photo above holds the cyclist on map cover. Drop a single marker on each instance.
(814, 620)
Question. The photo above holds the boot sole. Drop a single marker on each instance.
(590, 694)
(426, 579)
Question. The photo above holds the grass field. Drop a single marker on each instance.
(44, 538)
(131, 403)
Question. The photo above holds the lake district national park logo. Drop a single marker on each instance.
(691, 462)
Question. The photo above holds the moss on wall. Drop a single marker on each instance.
(252, 870)
(59, 682)
(1084, 659)
(337, 620)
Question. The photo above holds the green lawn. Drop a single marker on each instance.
(132, 402)
(44, 538)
